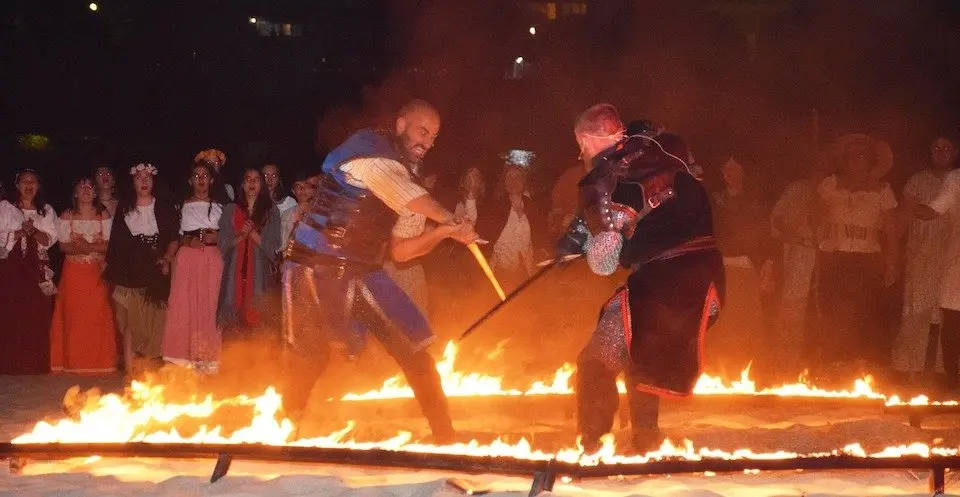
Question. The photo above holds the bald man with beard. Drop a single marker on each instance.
(368, 209)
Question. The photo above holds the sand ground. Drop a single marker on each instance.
(760, 425)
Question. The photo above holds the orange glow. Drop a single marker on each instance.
(149, 413)
(117, 419)
(460, 384)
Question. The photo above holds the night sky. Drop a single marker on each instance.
(144, 80)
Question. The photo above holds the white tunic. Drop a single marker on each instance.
(467, 209)
(92, 230)
(12, 218)
(143, 220)
(854, 219)
(513, 250)
(286, 204)
(200, 215)
(948, 201)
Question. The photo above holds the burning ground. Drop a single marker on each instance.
(729, 418)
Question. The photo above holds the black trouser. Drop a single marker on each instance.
(851, 306)
(598, 401)
(598, 366)
(950, 341)
(419, 367)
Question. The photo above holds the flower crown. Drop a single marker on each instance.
(140, 168)
(213, 156)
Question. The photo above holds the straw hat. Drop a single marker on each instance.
(833, 156)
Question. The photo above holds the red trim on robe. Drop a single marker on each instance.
(711, 297)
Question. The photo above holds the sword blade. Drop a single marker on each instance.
(478, 255)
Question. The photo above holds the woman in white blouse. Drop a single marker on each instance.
(278, 194)
(82, 333)
(191, 336)
(514, 226)
(857, 252)
(28, 227)
(143, 243)
(472, 190)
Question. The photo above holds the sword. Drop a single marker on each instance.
(478, 255)
(545, 268)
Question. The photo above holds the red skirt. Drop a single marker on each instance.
(82, 334)
(25, 313)
(191, 335)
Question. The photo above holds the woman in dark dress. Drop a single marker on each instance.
(28, 227)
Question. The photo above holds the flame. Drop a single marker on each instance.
(148, 413)
(143, 415)
(460, 384)
(919, 400)
(713, 385)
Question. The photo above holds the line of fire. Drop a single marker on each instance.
(147, 420)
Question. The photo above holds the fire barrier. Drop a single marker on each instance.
(544, 472)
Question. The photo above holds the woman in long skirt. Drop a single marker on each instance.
(28, 227)
(249, 242)
(82, 333)
(143, 244)
(191, 336)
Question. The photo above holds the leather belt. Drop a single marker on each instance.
(699, 244)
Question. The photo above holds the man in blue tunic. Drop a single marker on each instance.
(336, 291)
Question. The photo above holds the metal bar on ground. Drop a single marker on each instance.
(284, 453)
(222, 467)
(938, 478)
(915, 414)
(717, 465)
(543, 481)
(474, 464)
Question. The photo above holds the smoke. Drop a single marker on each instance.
(771, 83)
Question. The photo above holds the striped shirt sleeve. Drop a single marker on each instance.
(387, 179)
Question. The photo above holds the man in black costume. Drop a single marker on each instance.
(641, 207)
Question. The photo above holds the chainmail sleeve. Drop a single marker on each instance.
(603, 252)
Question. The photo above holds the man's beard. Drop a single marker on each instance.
(406, 155)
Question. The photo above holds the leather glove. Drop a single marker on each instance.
(574, 241)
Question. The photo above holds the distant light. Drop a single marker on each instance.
(253, 20)
(519, 60)
(93, 7)
(533, 30)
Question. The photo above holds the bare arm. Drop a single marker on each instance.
(42, 238)
(405, 249)
(70, 245)
(73, 247)
(171, 251)
(97, 247)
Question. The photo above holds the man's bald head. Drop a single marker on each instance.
(418, 124)
(596, 129)
(418, 105)
(599, 120)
